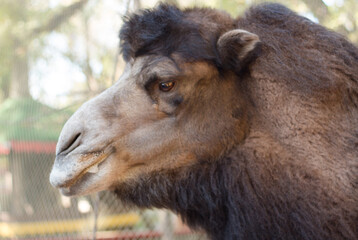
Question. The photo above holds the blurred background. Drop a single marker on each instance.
(56, 54)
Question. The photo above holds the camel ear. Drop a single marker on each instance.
(236, 48)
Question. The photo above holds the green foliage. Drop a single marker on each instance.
(344, 19)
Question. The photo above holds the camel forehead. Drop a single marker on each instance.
(154, 66)
(147, 68)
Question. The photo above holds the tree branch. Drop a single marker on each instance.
(318, 8)
(58, 18)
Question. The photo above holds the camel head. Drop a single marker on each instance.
(181, 99)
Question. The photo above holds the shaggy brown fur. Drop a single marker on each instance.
(247, 128)
(296, 174)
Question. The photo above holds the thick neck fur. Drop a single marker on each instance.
(248, 196)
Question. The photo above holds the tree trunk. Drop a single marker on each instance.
(19, 87)
(92, 84)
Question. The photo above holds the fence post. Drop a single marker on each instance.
(166, 225)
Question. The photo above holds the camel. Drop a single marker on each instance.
(247, 128)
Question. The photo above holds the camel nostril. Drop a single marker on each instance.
(71, 144)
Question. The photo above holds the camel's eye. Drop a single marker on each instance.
(166, 86)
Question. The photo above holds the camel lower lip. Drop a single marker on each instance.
(65, 191)
(91, 162)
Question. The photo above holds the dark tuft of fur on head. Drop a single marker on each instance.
(166, 29)
(162, 31)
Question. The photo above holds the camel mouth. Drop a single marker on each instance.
(79, 167)
(92, 168)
